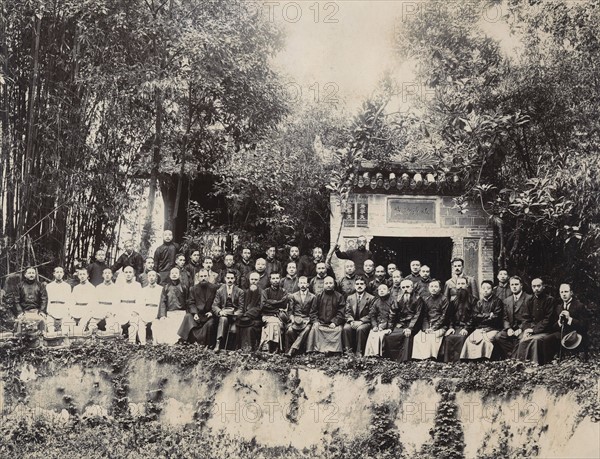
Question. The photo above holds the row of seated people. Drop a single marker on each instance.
(397, 323)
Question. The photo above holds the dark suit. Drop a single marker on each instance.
(356, 338)
(232, 304)
(513, 319)
(294, 338)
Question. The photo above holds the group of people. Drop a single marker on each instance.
(298, 305)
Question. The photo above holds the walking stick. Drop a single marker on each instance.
(562, 331)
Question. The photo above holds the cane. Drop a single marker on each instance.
(562, 331)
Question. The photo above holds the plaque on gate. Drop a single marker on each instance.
(411, 211)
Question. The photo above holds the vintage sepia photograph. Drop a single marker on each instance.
(301, 229)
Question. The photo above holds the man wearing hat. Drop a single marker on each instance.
(301, 303)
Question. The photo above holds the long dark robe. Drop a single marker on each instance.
(540, 316)
(200, 300)
(403, 315)
(329, 307)
(249, 321)
(458, 318)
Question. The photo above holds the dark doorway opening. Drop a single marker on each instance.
(435, 252)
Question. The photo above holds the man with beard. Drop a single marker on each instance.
(327, 318)
(249, 320)
(273, 265)
(421, 285)
(198, 323)
(194, 265)
(502, 290)
(308, 265)
(290, 282)
(377, 281)
(294, 256)
(450, 288)
(395, 289)
(404, 322)
(358, 255)
(486, 322)
(458, 322)
(427, 342)
(301, 304)
(358, 322)
(379, 315)
(245, 266)
(148, 266)
(226, 306)
(415, 269)
(31, 300)
(539, 319)
(369, 271)
(229, 268)
(129, 258)
(164, 256)
(273, 307)
(317, 284)
(506, 341)
(346, 283)
(96, 268)
(261, 269)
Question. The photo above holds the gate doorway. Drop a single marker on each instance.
(435, 252)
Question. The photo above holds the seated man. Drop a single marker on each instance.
(458, 322)
(539, 322)
(327, 318)
(226, 307)
(273, 307)
(486, 322)
(199, 322)
(129, 306)
(358, 323)
(379, 315)
(31, 302)
(84, 305)
(150, 300)
(301, 303)
(171, 310)
(506, 341)
(427, 342)
(59, 297)
(250, 320)
(405, 321)
(108, 305)
(573, 319)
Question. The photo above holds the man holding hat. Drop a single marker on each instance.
(573, 318)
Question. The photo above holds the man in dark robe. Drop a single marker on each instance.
(395, 289)
(486, 322)
(30, 301)
(368, 271)
(421, 287)
(294, 256)
(358, 323)
(450, 288)
(164, 256)
(346, 283)
(273, 307)
(249, 319)
(502, 290)
(427, 342)
(129, 258)
(301, 304)
(199, 322)
(358, 255)
(96, 268)
(273, 264)
(148, 266)
(308, 265)
(415, 270)
(245, 266)
(506, 341)
(405, 321)
(317, 284)
(194, 265)
(171, 310)
(229, 268)
(261, 269)
(539, 321)
(227, 305)
(458, 322)
(290, 281)
(327, 318)
(377, 281)
(184, 275)
(379, 315)
(391, 267)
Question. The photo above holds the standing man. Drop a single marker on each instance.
(415, 270)
(226, 307)
(539, 321)
(199, 322)
(358, 323)
(450, 288)
(369, 271)
(164, 256)
(327, 318)
(184, 275)
(390, 271)
(346, 283)
(130, 258)
(194, 265)
(97, 267)
(301, 303)
(317, 284)
(148, 266)
(290, 281)
(502, 290)
(506, 341)
(261, 269)
(378, 280)
(358, 255)
(294, 255)
(422, 283)
(395, 289)
(207, 264)
(273, 265)
(229, 268)
(308, 265)
(274, 301)
(245, 266)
